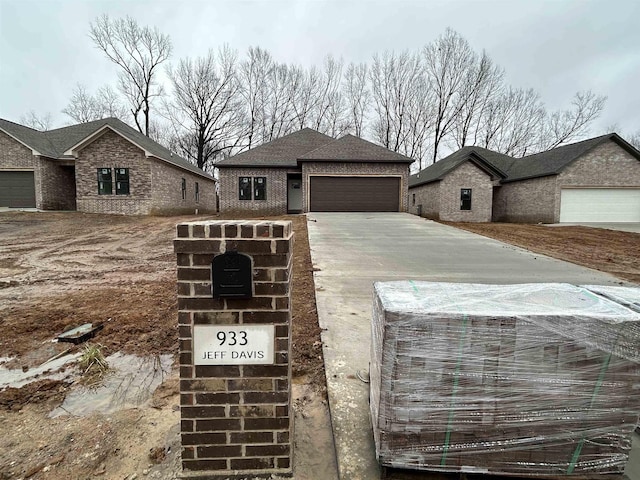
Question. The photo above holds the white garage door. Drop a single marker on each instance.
(600, 205)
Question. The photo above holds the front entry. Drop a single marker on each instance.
(294, 193)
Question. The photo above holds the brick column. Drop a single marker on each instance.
(236, 419)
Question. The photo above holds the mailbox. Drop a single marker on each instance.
(232, 275)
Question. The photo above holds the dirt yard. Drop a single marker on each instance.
(61, 270)
(610, 251)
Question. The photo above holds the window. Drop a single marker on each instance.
(245, 188)
(105, 182)
(260, 185)
(413, 199)
(122, 181)
(197, 194)
(184, 189)
(465, 199)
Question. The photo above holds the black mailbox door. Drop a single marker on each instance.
(232, 275)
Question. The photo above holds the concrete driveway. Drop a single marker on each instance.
(352, 250)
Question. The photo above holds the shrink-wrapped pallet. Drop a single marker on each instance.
(627, 296)
(534, 379)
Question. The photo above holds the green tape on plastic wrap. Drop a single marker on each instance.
(596, 390)
(456, 381)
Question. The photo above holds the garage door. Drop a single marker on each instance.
(600, 205)
(17, 189)
(354, 194)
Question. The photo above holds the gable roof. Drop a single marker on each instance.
(30, 138)
(281, 152)
(510, 169)
(484, 159)
(554, 161)
(354, 149)
(63, 143)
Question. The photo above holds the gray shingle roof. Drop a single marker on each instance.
(28, 136)
(54, 143)
(551, 162)
(554, 161)
(282, 152)
(488, 160)
(354, 149)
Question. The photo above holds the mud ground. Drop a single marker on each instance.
(61, 270)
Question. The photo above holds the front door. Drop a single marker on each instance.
(294, 194)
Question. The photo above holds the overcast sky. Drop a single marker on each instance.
(555, 47)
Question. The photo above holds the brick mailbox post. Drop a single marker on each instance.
(235, 343)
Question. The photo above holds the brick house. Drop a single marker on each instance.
(308, 171)
(104, 166)
(596, 180)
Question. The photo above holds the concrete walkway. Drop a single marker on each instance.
(350, 252)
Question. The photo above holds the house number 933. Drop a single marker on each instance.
(233, 344)
(232, 338)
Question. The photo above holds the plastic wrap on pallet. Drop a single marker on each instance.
(627, 296)
(533, 379)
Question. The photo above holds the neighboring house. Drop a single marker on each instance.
(596, 180)
(308, 171)
(104, 166)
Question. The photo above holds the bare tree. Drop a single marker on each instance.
(84, 107)
(358, 95)
(306, 84)
(511, 123)
(205, 109)
(109, 103)
(164, 132)
(36, 121)
(402, 103)
(138, 51)
(449, 61)
(327, 114)
(482, 86)
(81, 107)
(278, 114)
(253, 85)
(568, 125)
(635, 139)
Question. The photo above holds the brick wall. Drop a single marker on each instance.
(167, 191)
(441, 200)
(15, 156)
(466, 175)
(276, 202)
(607, 165)
(155, 187)
(527, 201)
(113, 151)
(427, 200)
(355, 168)
(57, 185)
(538, 199)
(236, 419)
